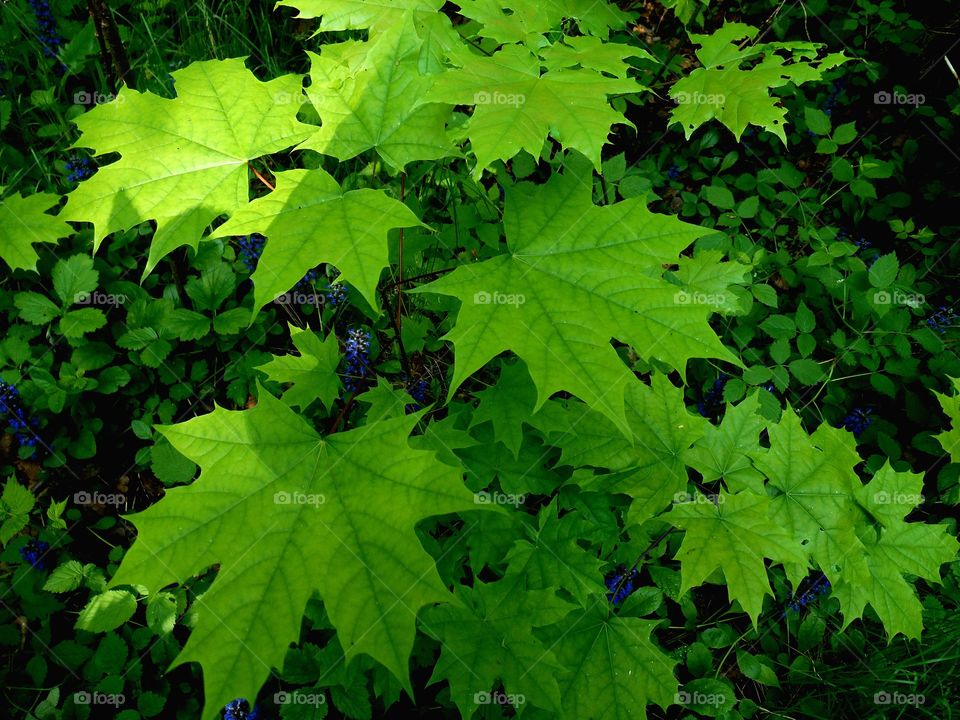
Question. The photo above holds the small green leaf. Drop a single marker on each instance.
(68, 576)
(35, 308)
(718, 196)
(73, 278)
(107, 611)
(884, 271)
(817, 120)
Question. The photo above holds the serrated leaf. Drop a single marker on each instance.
(733, 535)
(106, 611)
(72, 277)
(183, 161)
(67, 576)
(309, 219)
(507, 405)
(723, 90)
(23, 222)
(491, 640)
(516, 108)
(613, 669)
(576, 276)
(313, 373)
(162, 613)
(884, 271)
(368, 97)
(35, 308)
(77, 323)
(17, 500)
(287, 514)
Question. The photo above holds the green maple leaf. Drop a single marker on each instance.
(313, 374)
(517, 107)
(359, 14)
(734, 535)
(24, 221)
(738, 97)
(723, 451)
(287, 513)
(576, 276)
(551, 558)
(612, 668)
(527, 19)
(950, 439)
(593, 53)
(855, 533)
(309, 219)
(647, 465)
(491, 639)
(507, 405)
(183, 161)
(368, 97)
(892, 550)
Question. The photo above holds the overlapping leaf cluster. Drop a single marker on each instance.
(579, 294)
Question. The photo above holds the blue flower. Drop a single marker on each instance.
(357, 349)
(814, 588)
(712, 404)
(858, 420)
(12, 410)
(79, 168)
(335, 294)
(239, 709)
(307, 281)
(621, 584)
(33, 553)
(418, 391)
(942, 319)
(251, 248)
(46, 27)
(673, 172)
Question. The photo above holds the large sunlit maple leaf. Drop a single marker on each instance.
(368, 97)
(286, 513)
(516, 107)
(183, 161)
(309, 219)
(739, 96)
(575, 277)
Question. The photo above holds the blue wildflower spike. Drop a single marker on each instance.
(239, 709)
(942, 319)
(673, 172)
(858, 420)
(621, 584)
(33, 553)
(357, 350)
(712, 403)
(418, 391)
(17, 419)
(251, 248)
(335, 294)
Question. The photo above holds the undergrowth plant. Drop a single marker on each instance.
(469, 465)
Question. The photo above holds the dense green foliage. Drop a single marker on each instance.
(564, 359)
